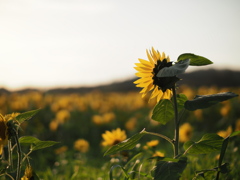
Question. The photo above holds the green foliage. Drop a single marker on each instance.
(163, 112)
(125, 145)
(195, 60)
(176, 69)
(205, 101)
(26, 115)
(207, 144)
(35, 143)
(166, 170)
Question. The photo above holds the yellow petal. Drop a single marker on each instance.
(160, 95)
(150, 58)
(146, 63)
(154, 93)
(155, 54)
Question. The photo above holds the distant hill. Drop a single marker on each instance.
(220, 78)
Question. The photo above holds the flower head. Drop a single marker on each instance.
(81, 145)
(149, 81)
(185, 132)
(28, 174)
(114, 137)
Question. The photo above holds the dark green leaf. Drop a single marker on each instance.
(207, 144)
(205, 101)
(125, 145)
(195, 60)
(176, 69)
(164, 111)
(43, 144)
(166, 170)
(26, 115)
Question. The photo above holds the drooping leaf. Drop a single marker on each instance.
(163, 112)
(223, 150)
(195, 60)
(176, 69)
(205, 101)
(127, 144)
(208, 143)
(26, 115)
(166, 170)
(35, 143)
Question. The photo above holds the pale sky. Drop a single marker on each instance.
(66, 43)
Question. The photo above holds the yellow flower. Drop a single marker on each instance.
(148, 70)
(153, 143)
(61, 150)
(114, 137)
(81, 145)
(158, 154)
(28, 173)
(225, 133)
(131, 124)
(3, 133)
(185, 132)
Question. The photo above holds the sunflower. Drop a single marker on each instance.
(114, 137)
(185, 132)
(160, 87)
(3, 133)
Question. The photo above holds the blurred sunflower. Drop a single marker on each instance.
(149, 81)
(28, 174)
(114, 137)
(185, 132)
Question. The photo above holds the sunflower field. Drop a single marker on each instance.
(85, 125)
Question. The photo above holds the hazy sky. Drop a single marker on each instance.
(47, 43)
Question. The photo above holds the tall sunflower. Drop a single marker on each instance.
(160, 87)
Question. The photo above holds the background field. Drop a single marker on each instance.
(86, 113)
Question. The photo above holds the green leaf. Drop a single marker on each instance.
(235, 133)
(207, 144)
(35, 142)
(205, 101)
(26, 115)
(176, 69)
(128, 144)
(26, 140)
(164, 111)
(166, 170)
(195, 60)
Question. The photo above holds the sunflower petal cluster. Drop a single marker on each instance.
(114, 137)
(147, 72)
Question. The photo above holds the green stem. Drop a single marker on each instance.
(176, 135)
(19, 156)
(160, 135)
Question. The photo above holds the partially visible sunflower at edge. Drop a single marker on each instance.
(4, 129)
(160, 87)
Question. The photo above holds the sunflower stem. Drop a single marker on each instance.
(176, 135)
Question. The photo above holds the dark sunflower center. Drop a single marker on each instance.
(163, 83)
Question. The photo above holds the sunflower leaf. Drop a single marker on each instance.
(205, 101)
(127, 144)
(208, 143)
(35, 142)
(170, 169)
(176, 69)
(164, 111)
(26, 115)
(195, 60)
